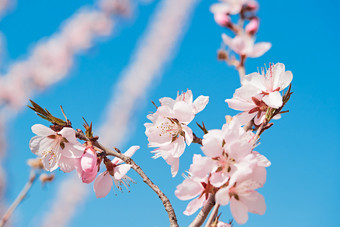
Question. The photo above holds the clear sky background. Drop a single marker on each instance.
(302, 187)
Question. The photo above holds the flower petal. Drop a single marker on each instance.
(222, 196)
(274, 99)
(239, 211)
(102, 185)
(42, 130)
(200, 103)
(194, 205)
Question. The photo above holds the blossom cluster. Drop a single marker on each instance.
(169, 129)
(243, 42)
(230, 170)
(58, 147)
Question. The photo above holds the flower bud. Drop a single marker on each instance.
(88, 160)
(35, 163)
(222, 19)
(46, 177)
(252, 26)
(222, 55)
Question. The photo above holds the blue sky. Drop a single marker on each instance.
(302, 183)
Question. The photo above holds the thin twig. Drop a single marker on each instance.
(203, 214)
(197, 139)
(166, 202)
(212, 215)
(19, 198)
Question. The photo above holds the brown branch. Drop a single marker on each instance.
(197, 139)
(166, 202)
(19, 198)
(203, 214)
(212, 215)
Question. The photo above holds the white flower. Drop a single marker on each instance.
(56, 148)
(169, 130)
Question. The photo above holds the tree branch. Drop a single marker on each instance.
(19, 198)
(203, 214)
(166, 202)
(212, 215)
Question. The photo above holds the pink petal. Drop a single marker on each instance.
(72, 150)
(274, 99)
(35, 145)
(42, 130)
(69, 134)
(255, 202)
(227, 40)
(131, 151)
(102, 185)
(200, 103)
(188, 189)
(222, 196)
(67, 164)
(218, 179)
(188, 134)
(121, 170)
(194, 205)
(239, 211)
(174, 167)
(184, 113)
(166, 101)
(212, 143)
(259, 49)
(179, 147)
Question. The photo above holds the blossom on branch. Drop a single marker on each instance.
(56, 149)
(88, 165)
(115, 173)
(259, 92)
(242, 195)
(169, 130)
(244, 45)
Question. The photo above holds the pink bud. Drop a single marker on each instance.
(222, 19)
(252, 26)
(88, 160)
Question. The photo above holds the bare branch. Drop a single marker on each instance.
(203, 214)
(19, 198)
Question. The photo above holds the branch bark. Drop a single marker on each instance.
(203, 214)
(166, 202)
(19, 198)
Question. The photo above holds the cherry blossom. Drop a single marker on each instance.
(242, 195)
(115, 173)
(260, 91)
(56, 148)
(169, 130)
(270, 83)
(244, 45)
(191, 188)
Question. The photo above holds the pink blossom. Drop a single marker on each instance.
(191, 188)
(244, 45)
(56, 148)
(242, 195)
(88, 165)
(253, 26)
(169, 130)
(260, 91)
(270, 83)
(115, 173)
(231, 151)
